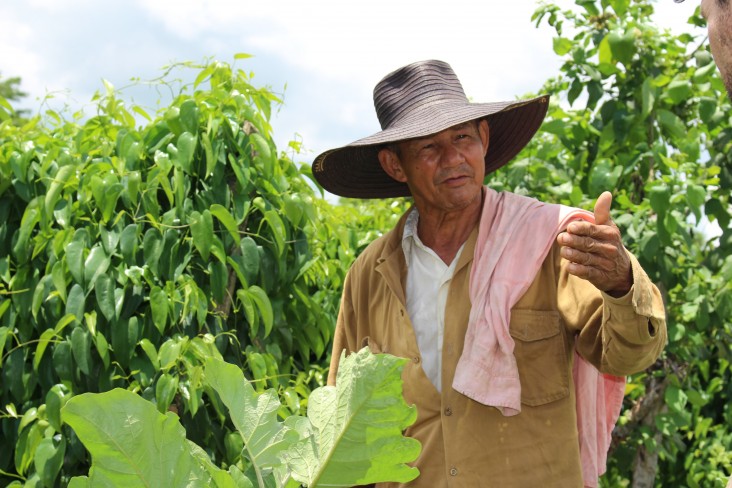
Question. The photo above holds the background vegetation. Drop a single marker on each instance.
(135, 246)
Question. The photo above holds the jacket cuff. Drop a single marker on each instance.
(637, 315)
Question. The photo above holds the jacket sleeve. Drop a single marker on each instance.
(619, 336)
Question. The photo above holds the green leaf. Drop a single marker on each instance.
(186, 150)
(648, 97)
(97, 263)
(254, 415)
(131, 443)
(4, 334)
(250, 257)
(110, 239)
(58, 277)
(128, 243)
(357, 426)
(159, 307)
(170, 352)
(152, 248)
(671, 124)
(263, 153)
(226, 220)
(677, 91)
(150, 352)
(49, 458)
(707, 108)
(620, 6)
(219, 280)
(75, 255)
(165, 390)
(202, 232)
(75, 305)
(695, 196)
(81, 349)
(56, 398)
(54, 191)
(659, 196)
(622, 46)
(278, 230)
(605, 54)
(249, 312)
(104, 292)
(562, 45)
(604, 176)
(189, 114)
(43, 341)
(102, 348)
(63, 361)
(261, 300)
(219, 477)
(675, 398)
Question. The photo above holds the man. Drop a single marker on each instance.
(486, 295)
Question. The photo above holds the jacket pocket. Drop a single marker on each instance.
(541, 355)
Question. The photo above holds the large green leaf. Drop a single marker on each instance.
(254, 415)
(357, 427)
(131, 443)
(202, 232)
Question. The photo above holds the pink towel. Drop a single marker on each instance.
(514, 237)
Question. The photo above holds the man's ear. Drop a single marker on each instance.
(484, 131)
(391, 164)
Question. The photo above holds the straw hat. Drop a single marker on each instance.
(419, 100)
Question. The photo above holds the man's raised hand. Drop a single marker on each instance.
(596, 252)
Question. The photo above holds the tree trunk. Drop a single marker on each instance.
(645, 465)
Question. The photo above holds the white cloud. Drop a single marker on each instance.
(329, 52)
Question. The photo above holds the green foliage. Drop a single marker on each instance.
(643, 113)
(352, 434)
(130, 254)
(10, 92)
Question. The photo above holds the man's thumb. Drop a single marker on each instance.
(602, 208)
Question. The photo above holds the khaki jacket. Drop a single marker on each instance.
(467, 444)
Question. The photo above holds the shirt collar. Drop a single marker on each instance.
(409, 236)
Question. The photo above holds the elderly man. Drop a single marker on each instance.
(520, 318)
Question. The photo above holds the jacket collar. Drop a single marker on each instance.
(392, 264)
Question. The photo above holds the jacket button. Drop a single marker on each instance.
(453, 471)
(448, 411)
(416, 359)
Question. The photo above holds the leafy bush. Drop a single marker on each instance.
(130, 255)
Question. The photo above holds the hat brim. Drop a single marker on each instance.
(354, 171)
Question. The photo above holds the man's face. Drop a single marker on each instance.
(719, 23)
(445, 171)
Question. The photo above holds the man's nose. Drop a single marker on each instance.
(451, 155)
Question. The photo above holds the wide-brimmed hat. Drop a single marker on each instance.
(419, 100)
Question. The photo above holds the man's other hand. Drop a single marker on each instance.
(596, 252)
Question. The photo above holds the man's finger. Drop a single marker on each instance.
(602, 208)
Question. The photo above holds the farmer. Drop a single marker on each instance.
(520, 319)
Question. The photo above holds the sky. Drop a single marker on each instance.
(322, 56)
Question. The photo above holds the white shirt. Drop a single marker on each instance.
(428, 281)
